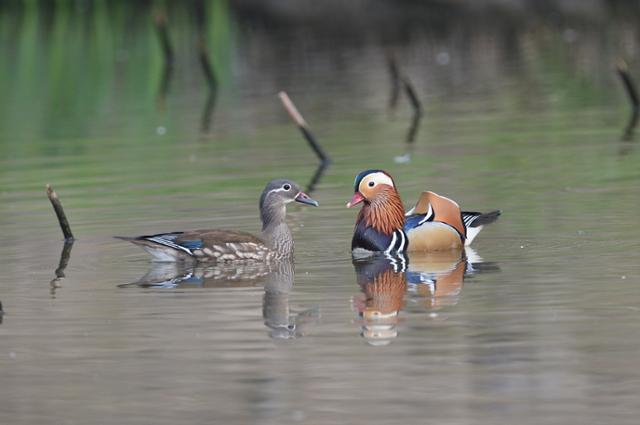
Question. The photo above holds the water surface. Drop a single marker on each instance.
(526, 118)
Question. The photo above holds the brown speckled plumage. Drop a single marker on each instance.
(275, 243)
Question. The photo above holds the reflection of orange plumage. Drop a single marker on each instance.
(448, 271)
(385, 294)
(382, 298)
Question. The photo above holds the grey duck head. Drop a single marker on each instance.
(275, 196)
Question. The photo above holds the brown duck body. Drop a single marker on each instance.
(276, 241)
(205, 246)
(228, 245)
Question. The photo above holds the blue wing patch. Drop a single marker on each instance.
(192, 244)
(414, 221)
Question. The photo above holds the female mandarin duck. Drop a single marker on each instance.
(275, 243)
(434, 224)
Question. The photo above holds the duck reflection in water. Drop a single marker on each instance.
(383, 282)
(277, 279)
(426, 281)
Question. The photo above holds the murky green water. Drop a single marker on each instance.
(544, 331)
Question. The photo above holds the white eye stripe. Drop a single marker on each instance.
(378, 178)
(280, 189)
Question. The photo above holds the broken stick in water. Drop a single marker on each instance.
(160, 22)
(413, 97)
(315, 179)
(304, 128)
(65, 255)
(415, 121)
(394, 73)
(630, 87)
(62, 218)
(212, 82)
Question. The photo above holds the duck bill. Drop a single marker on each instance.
(303, 198)
(355, 200)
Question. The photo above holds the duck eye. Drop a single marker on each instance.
(286, 187)
(371, 184)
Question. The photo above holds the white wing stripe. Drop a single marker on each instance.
(393, 242)
(469, 218)
(403, 240)
(428, 216)
(170, 244)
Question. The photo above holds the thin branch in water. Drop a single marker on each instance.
(415, 121)
(210, 76)
(1, 312)
(411, 137)
(205, 63)
(163, 89)
(413, 97)
(394, 73)
(200, 15)
(62, 218)
(65, 255)
(413, 128)
(315, 179)
(632, 92)
(209, 108)
(160, 22)
(396, 79)
(304, 128)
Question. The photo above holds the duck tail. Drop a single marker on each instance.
(161, 248)
(484, 218)
(475, 221)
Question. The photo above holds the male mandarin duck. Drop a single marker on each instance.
(435, 223)
(275, 242)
